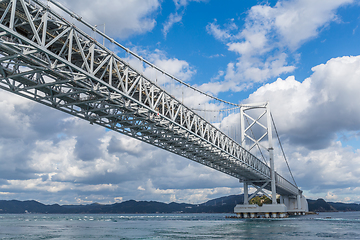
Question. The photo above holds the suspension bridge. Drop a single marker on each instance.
(45, 57)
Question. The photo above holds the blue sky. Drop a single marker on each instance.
(301, 55)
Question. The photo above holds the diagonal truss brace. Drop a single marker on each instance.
(259, 189)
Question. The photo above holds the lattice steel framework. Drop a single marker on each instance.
(267, 132)
(45, 58)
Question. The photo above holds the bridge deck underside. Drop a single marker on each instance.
(48, 60)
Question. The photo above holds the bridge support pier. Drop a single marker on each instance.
(288, 205)
(296, 205)
(265, 211)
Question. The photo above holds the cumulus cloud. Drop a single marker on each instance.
(313, 111)
(267, 43)
(309, 116)
(122, 18)
(333, 169)
(298, 21)
(178, 68)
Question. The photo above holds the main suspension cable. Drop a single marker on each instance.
(282, 149)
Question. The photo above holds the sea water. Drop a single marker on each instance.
(177, 226)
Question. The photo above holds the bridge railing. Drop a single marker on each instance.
(285, 184)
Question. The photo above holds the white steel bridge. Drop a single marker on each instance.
(45, 58)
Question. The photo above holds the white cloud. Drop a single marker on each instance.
(173, 18)
(141, 188)
(270, 36)
(183, 3)
(312, 112)
(216, 87)
(333, 169)
(298, 21)
(122, 18)
(220, 34)
(176, 67)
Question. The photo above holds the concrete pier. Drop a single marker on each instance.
(289, 205)
(266, 210)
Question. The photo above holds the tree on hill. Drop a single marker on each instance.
(260, 200)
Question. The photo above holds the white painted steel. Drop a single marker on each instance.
(45, 58)
(246, 193)
(271, 154)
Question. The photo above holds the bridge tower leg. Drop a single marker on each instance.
(246, 193)
(271, 154)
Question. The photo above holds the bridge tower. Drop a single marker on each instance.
(263, 139)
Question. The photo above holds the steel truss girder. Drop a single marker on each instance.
(46, 59)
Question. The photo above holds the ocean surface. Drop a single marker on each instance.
(177, 226)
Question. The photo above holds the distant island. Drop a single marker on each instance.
(321, 205)
(218, 205)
